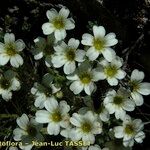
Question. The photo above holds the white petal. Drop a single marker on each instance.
(69, 67)
(20, 45)
(144, 88)
(80, 54)
(120, 74)
(99, 31)
(97, 75)
(7, 95)
(111, 39)
(109, 54)
(137, 75)
(139, 137)
(4, 59)
(39, 102)
(53, 129)
(51, 104)
(89, 88)
(60, 34)
(47, 28)
(87, 39)
(42, 116)
(73, 77)
(9, 37)
(138, 98)
(15, 84)
(64, 107)
(64, 12)
(76, 87)
(58, 61)
(129, 105)
(16, 60)
(117, 62)
(75, 122)
(51, 14)
(118, 132)
(120, 113)
(23, 121)
(112, 81)
(92, 53)
(18, 134)
(73, 43)
(69, 24)
(38, 56)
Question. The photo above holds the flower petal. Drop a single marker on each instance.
(69, 67)
(99, 31)
(80, 54)
(89, 88)
(4, 59)
(47, 28)
(138, 98)
(64, 12)
(9, 38)
(20, 45)
(53, 129)
(144, 88)
(76, 87)
(137, 75)
(51, 104)
(109, 54)
(92, 53)
(87, 39)
(23, 121)
(16, 60)
(60, 34)
(112, 81)
(69, 24)
(42, 116)
(51, 14)
(73, 43)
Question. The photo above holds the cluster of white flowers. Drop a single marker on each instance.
(83, 70)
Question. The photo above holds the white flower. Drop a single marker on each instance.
(58, 23)
(130, 130)
(118, 103)
(100, 43)
(138, 88)
(26, 147)
(7, 86)
(84, 79)
(66, 55)
(111, 71)
(42, 96)
(86, 127)
(94, 147)
(10, 50)
(28, 130)
(56, 115)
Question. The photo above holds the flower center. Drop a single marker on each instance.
(118, 100)
(86, 127)
(56, 116)
(98, 43)
(5, 83)
(31, 130)
(10, 49)
(58, 22)
(129, 129)
(134, 85)
(110, 71)
(70, 54)
(85, 78)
